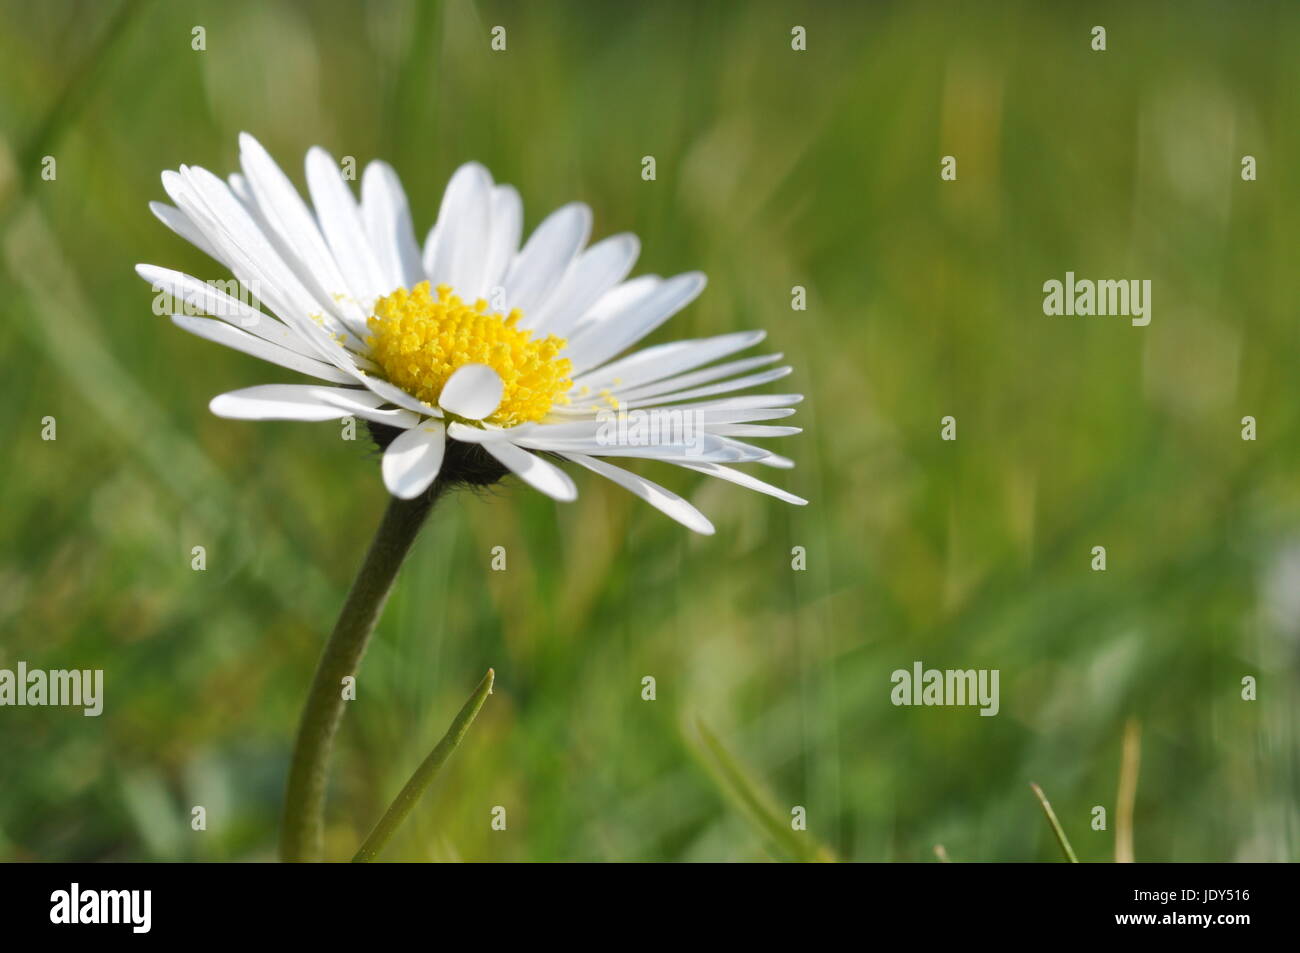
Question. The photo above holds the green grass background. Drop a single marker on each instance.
(775, 169)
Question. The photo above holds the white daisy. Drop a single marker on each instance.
(477, 356)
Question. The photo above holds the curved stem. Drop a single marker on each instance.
(303, 824)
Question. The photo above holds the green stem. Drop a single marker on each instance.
(1124, 799)
(303, 825)
(1056, 825)
(424, 774)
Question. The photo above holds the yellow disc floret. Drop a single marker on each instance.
(420, 340)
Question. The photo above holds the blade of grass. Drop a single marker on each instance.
(81, 84)
(755, 805)
(424, 774)
(1130, 760)
(1056, 825)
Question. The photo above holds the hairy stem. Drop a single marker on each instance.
(303, 824)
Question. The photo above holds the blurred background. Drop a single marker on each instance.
(775, 168)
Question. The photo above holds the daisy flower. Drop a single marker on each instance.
(473, 356)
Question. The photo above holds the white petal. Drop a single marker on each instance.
(413, 459)
(301, 242)
(244, 192)
(743, 402)
(237, 239)
(249, 253)
(393, 416)
(616, 301)
(538, 473)
(664, 360)
(684, 381)
(739, 383)
(340, 221)
(395, 395)
(598, 342)
(232, 337)
(745, 480)
(725, 415)
(594, 272)
(540, 267)
(560, 428)
(211, 300)
(700, 446)
(473, 391)
(430, 249)
(388, 224)
(753, 430)
(179, 223)
(467, 433)
(657, 496)
(284, 402)
(507, 227)
(464, 231)
(757, 454)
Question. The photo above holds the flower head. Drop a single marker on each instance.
(474, 357)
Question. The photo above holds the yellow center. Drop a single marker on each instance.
(420, 341)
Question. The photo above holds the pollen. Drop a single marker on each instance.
(421, 337)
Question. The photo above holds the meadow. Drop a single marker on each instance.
(775, 168)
